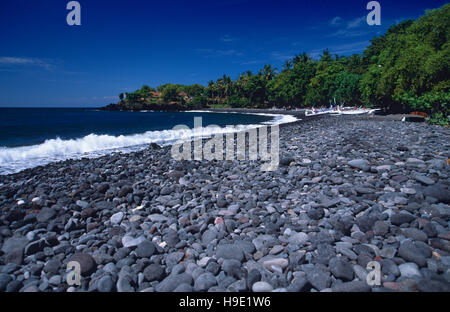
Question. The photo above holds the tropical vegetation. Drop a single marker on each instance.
(404, 70)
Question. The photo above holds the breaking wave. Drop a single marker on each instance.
(15, 159)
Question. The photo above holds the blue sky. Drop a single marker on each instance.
(122, 45)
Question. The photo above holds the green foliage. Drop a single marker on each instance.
(347, 88)
(289, 88)
(406, 69)
(238, 102)
(146, 89)
(170, 93)
(198, 102)
(161, 88)
(408, 62)
(323, 85)
(438, 119)
(194, 90)
(430, 103)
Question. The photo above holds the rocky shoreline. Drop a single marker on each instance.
(349, 190)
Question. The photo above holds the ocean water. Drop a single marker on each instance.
(30, 137)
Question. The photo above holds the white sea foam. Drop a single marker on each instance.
(277, 120)
(95, 145)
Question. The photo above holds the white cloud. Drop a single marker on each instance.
(336, 21)
(352, 28)
(342, 49)
(356, 22)
(252, 62)
(109, 97)
(227, 38)
(23, 61)
(219, 52)
(349, 33)
(281, 56)
(354, 47)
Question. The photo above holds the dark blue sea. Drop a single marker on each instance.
(36, 136)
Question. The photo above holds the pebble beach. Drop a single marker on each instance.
(348, 190)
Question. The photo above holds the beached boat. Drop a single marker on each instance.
(315, 112)
(340, 110)
(355, 111)
(320, 111)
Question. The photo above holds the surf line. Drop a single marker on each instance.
(258, 144)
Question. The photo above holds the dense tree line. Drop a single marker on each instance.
(405, 69)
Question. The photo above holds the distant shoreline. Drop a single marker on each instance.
(300, 112)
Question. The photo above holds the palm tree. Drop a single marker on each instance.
(268, 72)
(220, 85)
(305, 58)
(243, 81)
(227, 82)
(302, 58)
(287, 65)
(211, 89)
